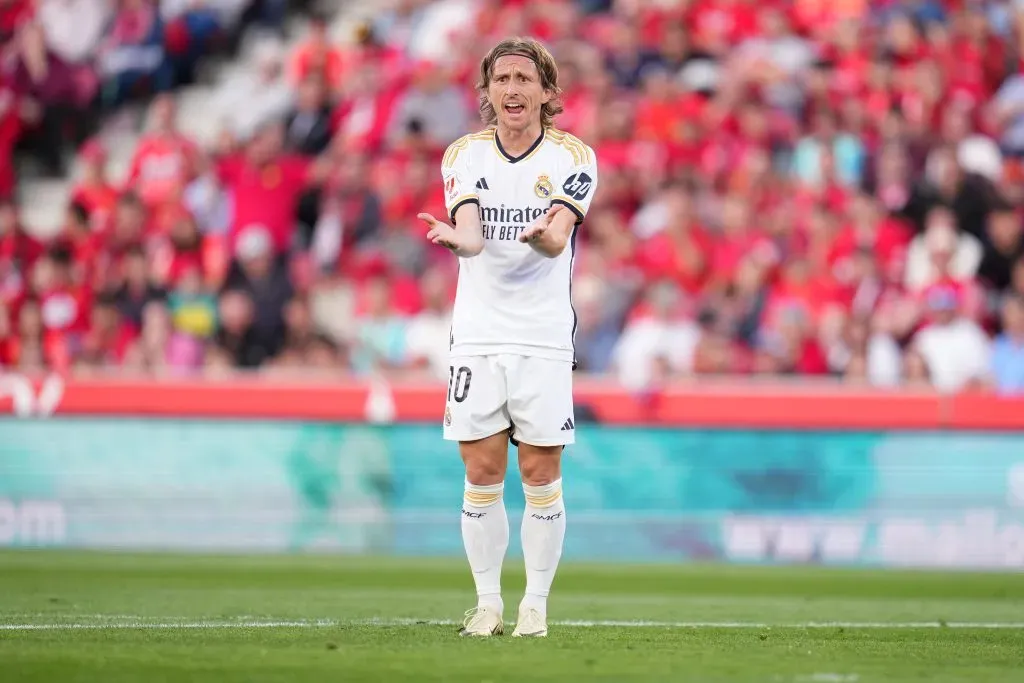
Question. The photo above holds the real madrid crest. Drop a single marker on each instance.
(543, 188)
(447, 416)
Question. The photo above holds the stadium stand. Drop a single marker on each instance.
(808, 188)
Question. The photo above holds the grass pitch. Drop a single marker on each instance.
(107, 617)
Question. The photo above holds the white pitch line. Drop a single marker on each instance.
(328, 623)
(168, 625)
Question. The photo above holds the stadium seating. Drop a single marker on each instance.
(801, 188)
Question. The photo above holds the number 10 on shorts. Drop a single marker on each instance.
(458, 383)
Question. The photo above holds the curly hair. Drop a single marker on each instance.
(533, 50)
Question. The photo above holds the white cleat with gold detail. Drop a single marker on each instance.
(482, 622)
(530, 624)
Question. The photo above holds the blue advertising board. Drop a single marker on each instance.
(852, 498)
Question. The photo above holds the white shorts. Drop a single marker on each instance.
(489, 394)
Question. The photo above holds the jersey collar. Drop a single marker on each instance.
(511, 159)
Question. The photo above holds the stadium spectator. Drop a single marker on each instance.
(867, 355)
(433, 101)
(1003, 246)
(74, 28)
(84, 246)
(428, 332)
(109, 338)
(381, 342)
(660, 334)
(265, 184)
(309, 124)
(193, 308)
(299, 328)
(164, 158)
(19, 252)
(93, 191)
(941, 253)
(236, 344)
(954, 348)
(316, 57)
(1008, 351)
(251, 99)
(345, 212)
(365, 110)
(1008, 111)
(260, 273)
(54, 95)
(132, 55)
(137, 289)
(34, 349)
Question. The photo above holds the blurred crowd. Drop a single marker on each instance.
(787, 188)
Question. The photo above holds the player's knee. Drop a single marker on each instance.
(486, 459)
(482, 472)
(540, 465)
(484, 467)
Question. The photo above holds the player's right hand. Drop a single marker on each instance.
(442, 234)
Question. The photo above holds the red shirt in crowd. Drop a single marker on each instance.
(66, 309)
(888, 241)
(18, 254)
(684, 260)
(162, 164)
(99, 200)
(55, 351)
(266, 195)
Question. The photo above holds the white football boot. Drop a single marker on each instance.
(530, 624)
(482, 622)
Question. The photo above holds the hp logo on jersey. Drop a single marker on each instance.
(578, 186)
(543, 188)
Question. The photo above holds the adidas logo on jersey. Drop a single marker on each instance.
(482, 184)
(569, 425)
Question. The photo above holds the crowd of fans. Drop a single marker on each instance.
(787, 188)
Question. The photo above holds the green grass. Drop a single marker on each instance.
(152, 618)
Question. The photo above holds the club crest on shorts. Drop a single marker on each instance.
(543, 188)
(447, 416)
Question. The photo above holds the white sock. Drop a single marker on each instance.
(485, 535)
(543, 533)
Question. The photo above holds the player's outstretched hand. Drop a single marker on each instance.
(539, 227)
(442, 234)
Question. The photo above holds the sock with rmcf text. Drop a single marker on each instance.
(543, 533)
(485, 536)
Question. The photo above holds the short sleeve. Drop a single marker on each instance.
(455, 172)
(576, 188)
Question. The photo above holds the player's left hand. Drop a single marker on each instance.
(537, 229)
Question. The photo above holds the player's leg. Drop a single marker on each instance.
(485, 528)
(476, 417)
(540, 405)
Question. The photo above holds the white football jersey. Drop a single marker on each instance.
(511, 299)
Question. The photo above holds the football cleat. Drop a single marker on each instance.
(530, 624)
(482, 622)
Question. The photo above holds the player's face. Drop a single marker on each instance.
(516, 92)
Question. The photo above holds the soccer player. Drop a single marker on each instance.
(516, 192)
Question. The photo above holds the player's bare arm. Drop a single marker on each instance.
(549, 235)
(465, 239)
